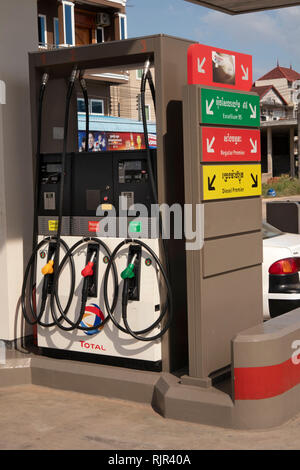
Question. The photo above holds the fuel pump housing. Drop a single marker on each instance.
(93, 183)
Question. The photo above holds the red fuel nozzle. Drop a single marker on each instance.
(88, 270)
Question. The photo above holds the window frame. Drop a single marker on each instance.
(122, 16)
(140, 114)
(103, 39)
(79, 98)
(147, 106)
(137, 74)
(71, 4)
(91, 106)
(43, 44)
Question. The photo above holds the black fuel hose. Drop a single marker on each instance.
(152, 88)
(167, 307)
(55, 298)
(86, 104)
(45, 79)
(63, 160)
(35, 318)
(62, 179)
(44, 82)
(147, 76)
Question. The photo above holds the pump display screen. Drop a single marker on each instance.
(133, 171)
(50, 173)
(49, 184)
(133, 165)
(53, 168)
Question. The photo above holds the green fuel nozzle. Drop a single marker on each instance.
(128, 272)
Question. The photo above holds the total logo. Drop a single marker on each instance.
(86, 345)
(93, 316)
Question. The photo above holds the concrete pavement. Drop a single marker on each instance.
(34, 417)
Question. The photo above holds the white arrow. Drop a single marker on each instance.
(245, 72)
(254, 146)
(208, 107)
(200, 65)
(253, 115)
(209, 145)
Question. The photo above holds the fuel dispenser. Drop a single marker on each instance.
(96, 277)
(127, 291)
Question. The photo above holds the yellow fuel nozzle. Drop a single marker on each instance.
(48, 268)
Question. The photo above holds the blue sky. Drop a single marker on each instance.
(267, 36)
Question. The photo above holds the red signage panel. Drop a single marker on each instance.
(220, 144)
(217, 67)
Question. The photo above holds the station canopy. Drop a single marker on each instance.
(236, 7)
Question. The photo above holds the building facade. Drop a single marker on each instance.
(273, 106)
(69, 23)
(64, 23)
(285, 84)
(278, 90)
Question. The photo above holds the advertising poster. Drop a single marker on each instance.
(108, 141)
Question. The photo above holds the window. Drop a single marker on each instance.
(123, 26)
(95, 106)
(100, 34)
(147, 109)
(68, 9)
(139, 108)
(269, 231)
(42, 30)
(139, 74)
(80, 105)
(56, 31)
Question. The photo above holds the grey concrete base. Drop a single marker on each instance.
(108, 381)
(205, 382)
(191, 403)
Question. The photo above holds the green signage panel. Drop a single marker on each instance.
(229, 108)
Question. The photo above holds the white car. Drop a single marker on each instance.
(281, 266)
